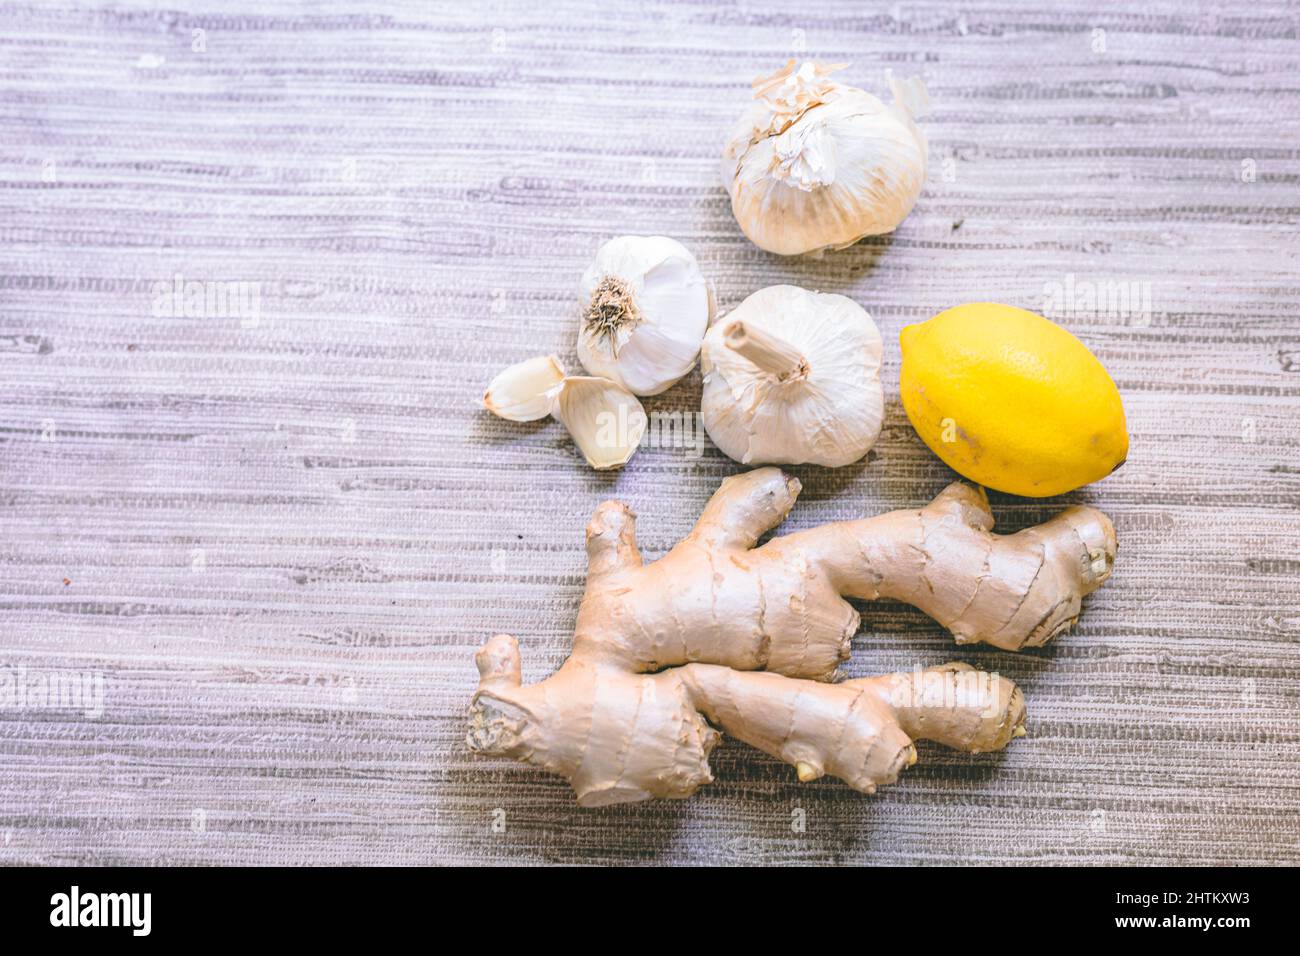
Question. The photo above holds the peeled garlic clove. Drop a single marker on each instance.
(605, 419)
(646, 306)
(793, 377)
(524, 391)
(816, 164)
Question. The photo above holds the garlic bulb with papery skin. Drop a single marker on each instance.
(646, 306)
(816, 164)
(793, 377)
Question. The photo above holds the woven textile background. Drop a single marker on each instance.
(274, 534)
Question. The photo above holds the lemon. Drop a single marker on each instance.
(1011, 401)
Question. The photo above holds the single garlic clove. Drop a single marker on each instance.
(605, 419)
(646, 306)
(524, 391)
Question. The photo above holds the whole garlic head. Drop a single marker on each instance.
(816, 164)
(793, 377)
(646, 306)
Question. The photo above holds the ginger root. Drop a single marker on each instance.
(665, 654)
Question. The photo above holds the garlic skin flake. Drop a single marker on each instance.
(646, 306)
(525, 391)
(793, 377)
(815, 164)
(605, 419)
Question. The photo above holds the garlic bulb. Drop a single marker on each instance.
(522, 393)
(793, 377)
(604, 418)
(816, 164)
(646, 306)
